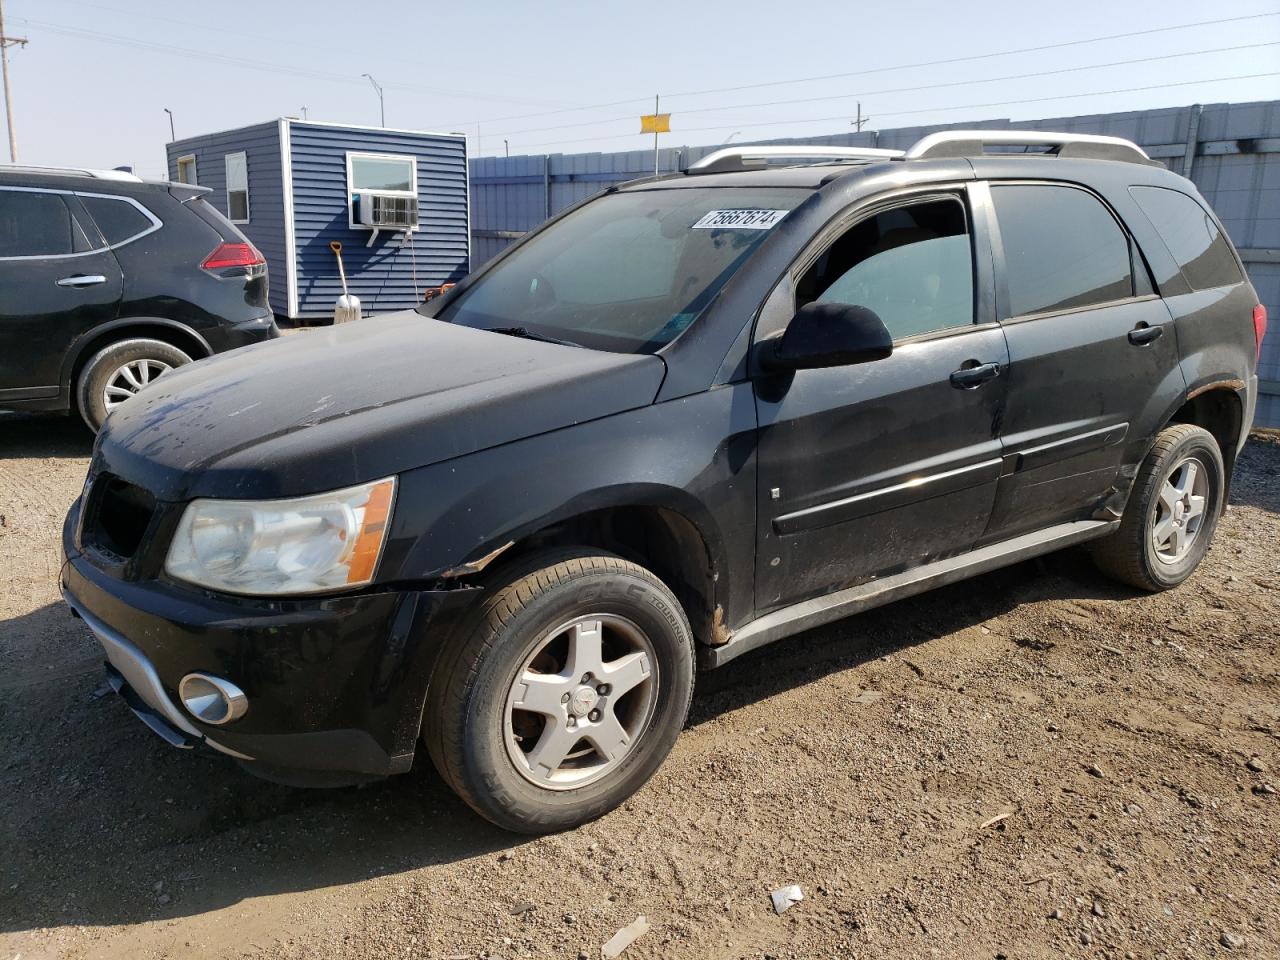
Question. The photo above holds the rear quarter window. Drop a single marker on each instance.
(118, 220)
(1192, 236)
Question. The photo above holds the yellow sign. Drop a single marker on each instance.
(655, 123)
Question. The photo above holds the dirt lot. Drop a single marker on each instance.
(1033, 764)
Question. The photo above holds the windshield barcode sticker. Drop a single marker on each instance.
(740, 219)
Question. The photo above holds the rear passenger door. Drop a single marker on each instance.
(1093, 355)
(57, 279)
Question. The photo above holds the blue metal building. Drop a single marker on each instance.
(397, 200)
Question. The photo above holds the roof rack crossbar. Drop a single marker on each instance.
(72, 171)
(736, 159)
(973, 143)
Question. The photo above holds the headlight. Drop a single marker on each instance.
(328, 541)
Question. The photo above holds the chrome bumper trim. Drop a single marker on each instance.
(138, 672)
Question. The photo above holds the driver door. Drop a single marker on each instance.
(872, 468)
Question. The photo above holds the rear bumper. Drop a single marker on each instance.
(243, 332)
(334, 685)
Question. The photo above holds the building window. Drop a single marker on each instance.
(237, 188)
(380, 173)
(187, 169)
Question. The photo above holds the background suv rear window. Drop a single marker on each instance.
(36, 225)
(1191, 236)
(1063, 249)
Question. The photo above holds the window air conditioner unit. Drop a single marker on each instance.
(386, 210)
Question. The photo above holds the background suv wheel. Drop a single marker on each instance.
(563, 694)
(1173, 511)
(118, 371)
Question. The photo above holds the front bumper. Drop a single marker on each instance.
(334, 684)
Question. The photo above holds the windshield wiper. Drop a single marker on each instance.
(526, 334)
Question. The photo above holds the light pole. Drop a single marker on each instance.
(506, 146)
(730, 137)
(6, 42)
(382, 109)
(172, 136)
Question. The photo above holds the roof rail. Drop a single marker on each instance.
(736, 159)
(973, 143)
(71, 171)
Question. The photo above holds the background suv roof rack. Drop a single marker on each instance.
(71, 171)
(973, 143)
(736, 159)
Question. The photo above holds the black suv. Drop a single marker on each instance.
(107, 282)
(688, 417)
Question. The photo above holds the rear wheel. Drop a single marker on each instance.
(119, 371)
(1172, 513)
(564, 694)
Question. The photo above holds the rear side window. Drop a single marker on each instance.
(911, 265)
(36, 224)
(1191, 236)
(1063, 250)
(118, 220)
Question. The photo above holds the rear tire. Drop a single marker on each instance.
(1172, 514)
(119, 370)
(563, 693)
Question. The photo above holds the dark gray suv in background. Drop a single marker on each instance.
(108, 282)
(688, 417)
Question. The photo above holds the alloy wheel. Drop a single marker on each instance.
(1180, 510)
(130, 378)
(581, 701)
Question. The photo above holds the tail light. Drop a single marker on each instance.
(1259, 326)
(229, 255)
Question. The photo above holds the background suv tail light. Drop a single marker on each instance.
(1259, 326)
(227, 256)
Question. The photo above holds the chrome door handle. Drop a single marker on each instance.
(969, 377)
(1143, 334)
(82, 280)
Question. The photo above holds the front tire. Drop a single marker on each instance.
(564, 692)
(118, 371)
(1172, 514)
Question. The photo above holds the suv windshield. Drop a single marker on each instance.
(627, 272)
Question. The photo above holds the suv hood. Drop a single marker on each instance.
(343, 405)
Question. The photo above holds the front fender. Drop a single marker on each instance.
(694, 456)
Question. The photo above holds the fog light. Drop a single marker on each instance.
(211, 699)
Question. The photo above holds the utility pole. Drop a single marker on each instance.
(304, 111)
(382, 107)
(656, 111)
(857, 124)
(6, 42)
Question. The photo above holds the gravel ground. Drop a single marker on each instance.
(1036, 763)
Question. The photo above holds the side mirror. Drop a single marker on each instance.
(828, 335)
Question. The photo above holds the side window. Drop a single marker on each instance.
(1191, 236)
(237, 187)
(118, 220)
(912, 266)
(1063, 249)
(37, 225)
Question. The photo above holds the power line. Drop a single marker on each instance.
(900, 66)
(927, 86)
(981, 56)
(244, 62)
(924, 110)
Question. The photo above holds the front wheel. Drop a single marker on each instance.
(564, 693)
(1173, 510)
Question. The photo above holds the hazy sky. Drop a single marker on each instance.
(91, 87)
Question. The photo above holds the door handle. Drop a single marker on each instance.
(82, 280)
(1143, 334)
(966, 378)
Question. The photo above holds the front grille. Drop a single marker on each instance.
(116, 516)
